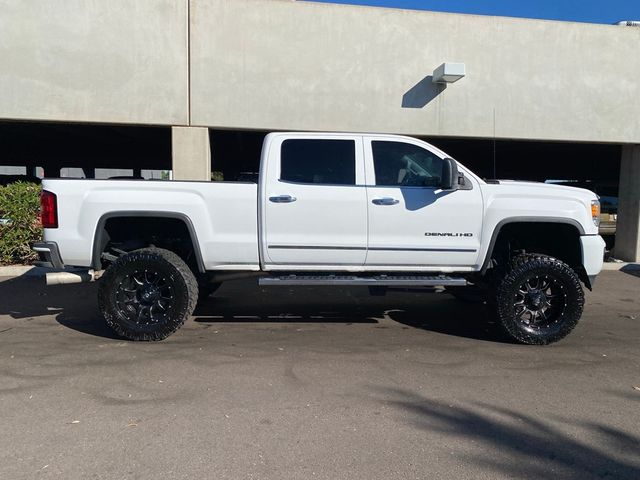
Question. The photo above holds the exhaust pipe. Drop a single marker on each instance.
(81, 276)
(65, 278)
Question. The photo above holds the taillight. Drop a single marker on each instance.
(48, 210)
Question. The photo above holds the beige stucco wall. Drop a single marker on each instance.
(278, 64)
(191, 153)
(122, 61)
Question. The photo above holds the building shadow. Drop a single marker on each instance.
(517, 445)
(422, 93)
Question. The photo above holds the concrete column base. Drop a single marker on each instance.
(628, 226)
(191, 153)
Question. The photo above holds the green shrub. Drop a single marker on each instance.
(19, 222)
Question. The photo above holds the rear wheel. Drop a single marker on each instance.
(147, 294)
(539, 301)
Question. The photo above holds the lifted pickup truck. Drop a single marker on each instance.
(329, 209)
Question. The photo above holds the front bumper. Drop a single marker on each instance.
(49, 255)
(592, 254)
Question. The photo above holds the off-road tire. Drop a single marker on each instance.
(139, 278)
(564, 296)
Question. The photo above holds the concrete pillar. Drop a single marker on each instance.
(191, 153)
(628, 225)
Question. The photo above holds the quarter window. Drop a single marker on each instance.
(318, 161)
(404, 164)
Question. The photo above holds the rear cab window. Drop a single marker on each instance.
(318, 161)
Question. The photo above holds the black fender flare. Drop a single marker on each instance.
(100, 240)
(496, 232)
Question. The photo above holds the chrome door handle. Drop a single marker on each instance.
(282, 199)
(385, 201)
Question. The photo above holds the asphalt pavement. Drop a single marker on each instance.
(283, 383)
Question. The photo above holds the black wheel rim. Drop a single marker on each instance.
(145, 297)
(540, 302)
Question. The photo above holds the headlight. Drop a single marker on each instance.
(595, 212)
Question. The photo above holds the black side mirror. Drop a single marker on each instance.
(450, 176)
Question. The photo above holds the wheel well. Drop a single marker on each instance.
(118, 234)
(559, 240)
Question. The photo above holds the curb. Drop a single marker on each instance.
(16, 271)
(612, 266)
(25, 271)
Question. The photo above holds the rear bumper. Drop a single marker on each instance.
(592, 254)
(49, 255)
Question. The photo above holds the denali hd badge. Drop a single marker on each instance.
(447, 234)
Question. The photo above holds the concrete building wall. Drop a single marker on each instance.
(277, 64)
(118, 61)
(628, 230)
(191, 153)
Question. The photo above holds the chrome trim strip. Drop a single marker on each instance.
(401, 249)
(385, 249)
(313, 247)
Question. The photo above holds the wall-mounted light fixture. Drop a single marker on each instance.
(449, 73)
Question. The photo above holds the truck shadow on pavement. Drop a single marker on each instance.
(75, 307)
(439, 313)
(519, 445)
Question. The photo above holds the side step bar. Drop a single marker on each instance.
(377, 280)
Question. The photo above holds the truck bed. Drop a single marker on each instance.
(223, 216)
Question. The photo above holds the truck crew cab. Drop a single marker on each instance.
(329, 209)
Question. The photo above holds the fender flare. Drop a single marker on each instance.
(496, 232)
(99, 236)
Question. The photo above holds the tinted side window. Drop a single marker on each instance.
(319, 161)
(403, 164)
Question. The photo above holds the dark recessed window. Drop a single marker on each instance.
(319, 161)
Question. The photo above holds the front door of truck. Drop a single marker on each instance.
(314, 203)
(413, 223)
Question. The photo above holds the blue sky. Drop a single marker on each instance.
(593, 11)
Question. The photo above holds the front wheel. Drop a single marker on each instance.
(539, 301)
(147, 294)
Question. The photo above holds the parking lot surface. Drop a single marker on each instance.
(284, 383)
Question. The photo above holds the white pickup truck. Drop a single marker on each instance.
(329, 209)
